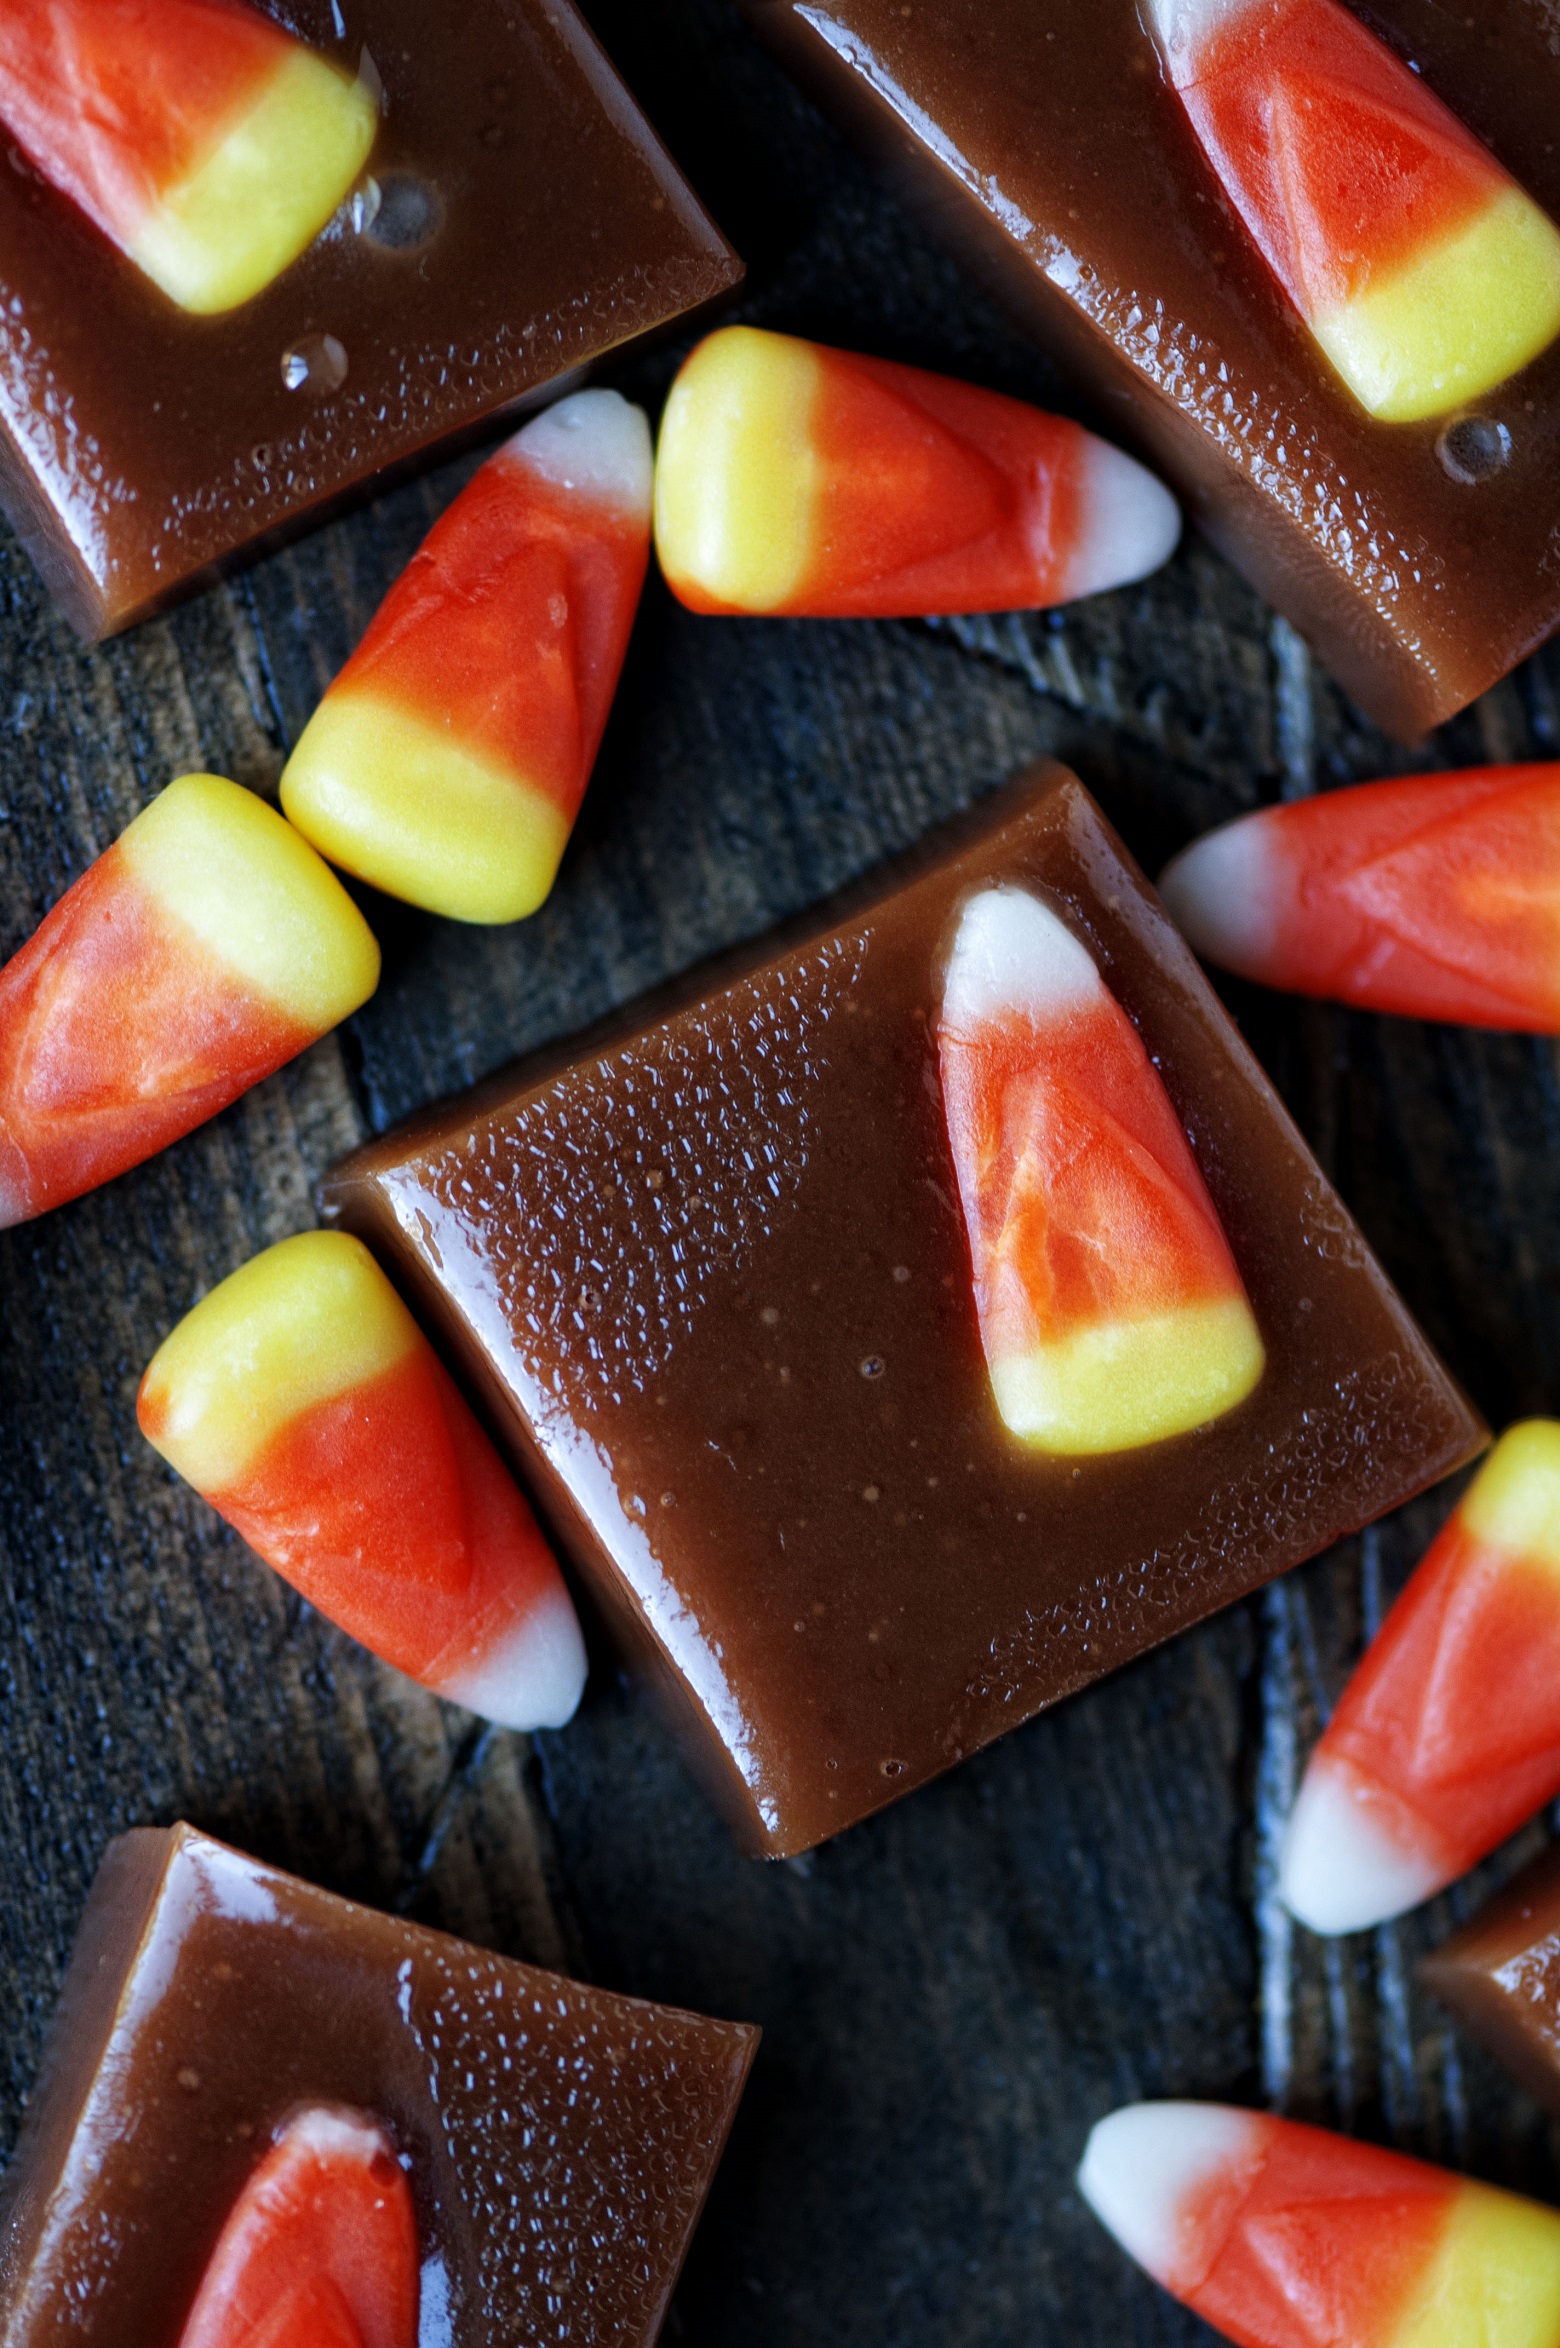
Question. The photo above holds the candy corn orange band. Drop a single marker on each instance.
(1448, 1736)
(204, 141)
(448, 760)
(301, 1399)
(1421, 268)
(1110, 1307)
(1283, 2236)
(1437, 896)
(203, 950)
(791, 478)
(320, 2250)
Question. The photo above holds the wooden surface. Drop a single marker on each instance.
(1085, 1913)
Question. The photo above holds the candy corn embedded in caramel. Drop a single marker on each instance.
(1283, 2236)
(1111, 1311)
(448, 760)
(791, 478)
(204, 949)
(203, 140)
(1448, 1735)
(1437, 896)
(301, 1399)
(1420, 267)
(320, 2250)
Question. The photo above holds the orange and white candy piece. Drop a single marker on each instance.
(1111, 1310)
(320, 2248)
(206, 947)
(302, 1400)
(1422, 270)
(1285, 2236)
(795, 479)
(205, 142)
(1447, 1738)
(447, 762)
(1435, 896)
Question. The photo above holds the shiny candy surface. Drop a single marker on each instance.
(1111, 1310)
(202, 139)
(1448, 1735)
(303, 1402)
(1425, 273)
(448, 760)
(320, 2250)
(204, 949)
(1437, 896)
(1283, 2236)
(793, 478)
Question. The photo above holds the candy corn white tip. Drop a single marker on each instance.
(1014, 957)
(1143, 2163)
(1341, 1870)
(1220, 894)
(332, 2134)
(1131, 523)
(595, 443)
(536, 1678)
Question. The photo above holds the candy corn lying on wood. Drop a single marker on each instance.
(204, 949)
(301, 1399)
(448, 760)
(1448, 1735)
(1437, 896)
(791, 478)
(1110, 1308)
(1283, 2236)
(203, 140)
(320, 2250)
(1421, 268)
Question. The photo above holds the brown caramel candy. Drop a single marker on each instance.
(559, 2141)
(712, 1280)
(1501, 1977)
(518, 219)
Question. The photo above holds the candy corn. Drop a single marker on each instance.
(1423, 271)
(1437, 896)
(1110, 1307)
(200, 952)
(320, 2250)
(1283, 2236)
(1448, 1735)
(301, 1399)
(448, 760)
(203, 140)
(791, 478)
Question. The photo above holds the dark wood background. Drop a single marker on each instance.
(1084, 1914)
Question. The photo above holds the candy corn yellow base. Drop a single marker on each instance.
(393, 800)
(1495, 2281)
(264, 193)
(736, 473)
(231, 870)
(311, 1318)
(1457, 321)
(1117, 1387)
(1514, 1501)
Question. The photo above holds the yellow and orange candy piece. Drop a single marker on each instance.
(1422, 270)
(1437, 896)
(447, 762)
(1284, 2236)
(795, 479)
(206, 947)
(302, 1400)
(1448, 1735)
(1111, 1310)
(203, 140)
(320, 2248)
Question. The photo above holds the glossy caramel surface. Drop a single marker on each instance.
(529, 222)
(1500, 1975)
(713, 1281)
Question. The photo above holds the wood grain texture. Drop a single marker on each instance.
(953, 1992)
